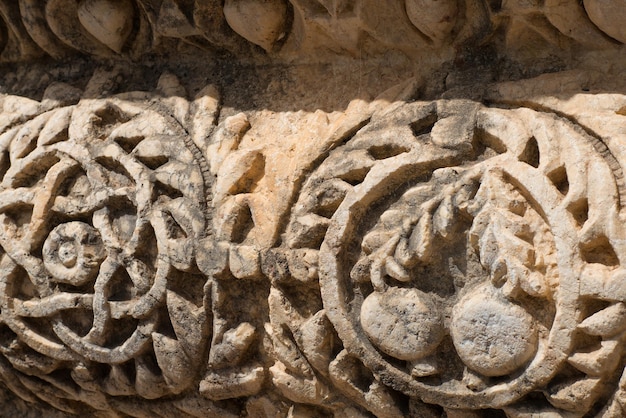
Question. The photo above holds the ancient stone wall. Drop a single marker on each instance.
(312, 208)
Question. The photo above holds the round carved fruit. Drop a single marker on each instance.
(491, 336)
(403, 323)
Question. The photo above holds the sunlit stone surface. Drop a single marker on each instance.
(312, 208)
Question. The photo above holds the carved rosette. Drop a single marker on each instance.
(102, 204)
(468, 257)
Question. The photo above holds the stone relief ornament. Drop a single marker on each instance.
(101, 205)
(294, 29)
(468, 257)
(448, 257)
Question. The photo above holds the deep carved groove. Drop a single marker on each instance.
(530, 155)
(560, 180)
(599, 251)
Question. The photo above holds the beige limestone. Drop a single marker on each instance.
(312, 208)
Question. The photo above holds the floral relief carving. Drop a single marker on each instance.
(453, 254)
(101, 209)
(447, 256)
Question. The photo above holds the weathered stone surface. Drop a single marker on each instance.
(306, 30)
(312, 208)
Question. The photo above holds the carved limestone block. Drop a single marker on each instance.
(293, 30)
(313, 208)
(445, 256)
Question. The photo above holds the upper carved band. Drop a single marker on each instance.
(299, 28)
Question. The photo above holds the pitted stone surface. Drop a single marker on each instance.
(312, 208)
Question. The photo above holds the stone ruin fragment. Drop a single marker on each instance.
(313, 208)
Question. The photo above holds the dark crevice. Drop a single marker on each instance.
(110, 115)
(244, 223)
(153, 162)
(530, 155)
(580, 211)
(117, 173)
(5, 163)
(355, 176)
(120, 286)
(128, 144)
(161, 189)
(381, 152)
(559, 178)
(599, 250)
(423, 126)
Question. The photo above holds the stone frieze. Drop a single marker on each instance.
(305, 30)
(419, 258)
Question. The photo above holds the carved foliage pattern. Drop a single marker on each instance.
(130, 28)
(469, 288)
(445, 256)
(101, 209)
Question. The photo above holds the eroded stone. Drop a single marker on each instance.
(312, 208)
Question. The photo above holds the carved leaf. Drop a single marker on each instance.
(303, 265)
(56, 127)
(504, 239)
(25, 139)
(173, 361)
(287, 352)
(297, 388)
(444, 217)
(598, 362)
(148, 383)
(239, 173)
(189, 323)
(307, 231)
(118, 383)
(235, 343)
(607, 322)
(90, 392)
(395, 270)
(315, 339)
(233, 383)
(227, 137)
(349, 376)
(360, 273)
(422, 237)
(574, 396)
(204, 112)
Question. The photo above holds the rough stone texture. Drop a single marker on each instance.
(312, 208)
